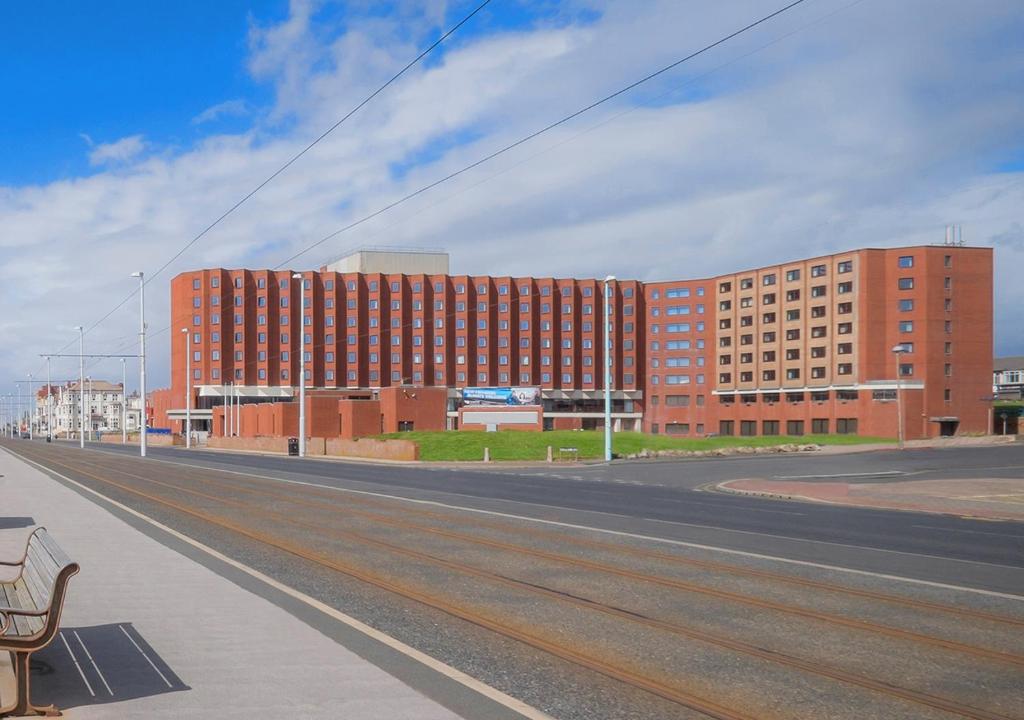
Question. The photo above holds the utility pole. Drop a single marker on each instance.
(142, 361)
(81, 386)
(188, 388)
(31, 406)
(49, 402)
(124, 404)
(898, 351)
(302, 367)
(607, 370)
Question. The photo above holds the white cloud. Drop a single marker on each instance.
(228, 108)
(861, 130)
(117, 152)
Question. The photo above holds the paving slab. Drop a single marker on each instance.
(149, 633)
(989, 498)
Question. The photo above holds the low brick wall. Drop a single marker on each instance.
(373, 449)
(151, 439)
(253, 444)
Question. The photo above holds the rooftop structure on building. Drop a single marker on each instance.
(798, 347)
(391, 260)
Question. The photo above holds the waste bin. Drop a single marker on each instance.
(47, 438)
(293, 446)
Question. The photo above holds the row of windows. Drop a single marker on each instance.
(819, 426)
(771, 336)
(818, 351)
(846, 266)
(797, 396)
(417, 287)
(817, 373)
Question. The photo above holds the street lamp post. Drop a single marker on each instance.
(607, 371)
(302, 372)
(142, 361)
(124, 404)
(188, 388)
(81, 386)
(31, 406)
(898, 351)
(49, 403)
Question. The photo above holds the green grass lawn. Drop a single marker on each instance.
(514, 445)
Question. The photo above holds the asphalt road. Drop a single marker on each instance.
(657, 499)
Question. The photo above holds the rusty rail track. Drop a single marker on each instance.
(624, 674)
(685, 586)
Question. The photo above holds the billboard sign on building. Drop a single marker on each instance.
(501, 396)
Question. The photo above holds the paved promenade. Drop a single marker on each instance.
(988, 498)
(150, 633)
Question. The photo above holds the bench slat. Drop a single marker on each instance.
(36, 585)
(40, 565)
(60, 558)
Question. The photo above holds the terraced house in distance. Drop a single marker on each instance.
(822, 345)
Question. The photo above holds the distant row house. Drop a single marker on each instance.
(105, 408)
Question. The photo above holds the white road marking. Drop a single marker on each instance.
(143, 652)
(93, 662)
(447, 670)
(75, 661)
(651, 538)
(972, 532)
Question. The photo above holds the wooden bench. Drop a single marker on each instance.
(30, 606)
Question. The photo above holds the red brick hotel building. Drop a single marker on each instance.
(796, 348)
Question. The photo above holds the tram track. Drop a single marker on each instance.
(673, 583)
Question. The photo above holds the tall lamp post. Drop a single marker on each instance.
(49, 403)
(607, 370)
(142, 362)
(188, 387)
(302, 371)
(31, 406)
(124, 404)
(898, 350)
(81, 386)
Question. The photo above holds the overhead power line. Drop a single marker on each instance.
(541, 131)
(538, 133)
(150, 276)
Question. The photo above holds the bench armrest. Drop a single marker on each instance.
(6, 614)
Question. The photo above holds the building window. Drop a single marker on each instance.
(724, 287)
(906, 305)
(846, 426)
(844, 308)
(845, 368)
(817, 271)
(770, 427)
(906, 369)
(906, 326)
(844, 288)
(906, 261)
(793, 373)
(748, 428)
(792, 275)
(906, 283)
(795, 427)
(845, 266)
(792, 295)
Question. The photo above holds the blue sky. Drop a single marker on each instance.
(127, 127)
(113, 69)
(120, 68)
